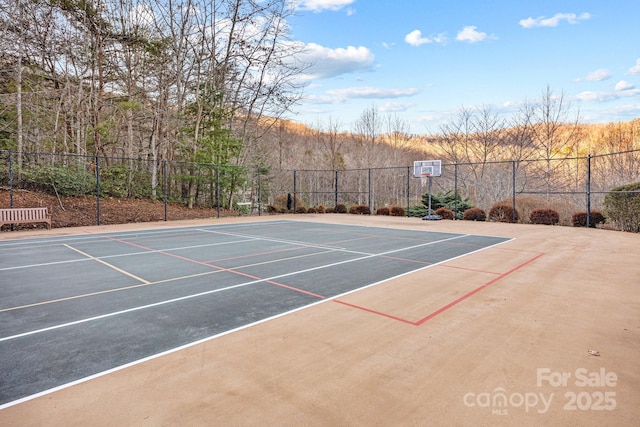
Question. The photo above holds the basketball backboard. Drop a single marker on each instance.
(423, 168)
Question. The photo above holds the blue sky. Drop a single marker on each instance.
(423, 60)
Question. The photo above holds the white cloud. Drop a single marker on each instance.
(367, 92)
(472, 35)
(554, 21)
(395, 107)
(603, 96)
(636, 68)
(624, 85)
(597, 75)
(414, 38)
(320, 5)
(326, 62)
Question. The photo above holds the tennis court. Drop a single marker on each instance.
(76, 306)
(337, 301)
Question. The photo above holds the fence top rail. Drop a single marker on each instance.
(269, 170)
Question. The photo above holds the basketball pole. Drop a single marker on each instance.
(429, 211)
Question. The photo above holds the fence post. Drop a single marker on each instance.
(11, 180)
(217, 191)
(164, 173)
(513, 189)
(97, 158)
(259, 172)
(408, 189)
(335, 202)
(295, 188)
(455, 190)
(369, 197)
(588, 189)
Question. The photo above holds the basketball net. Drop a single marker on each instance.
(424, 179)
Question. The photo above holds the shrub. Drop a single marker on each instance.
(445, 213)
(397, 211)
(340, 208)
(280, 202)
(503, 213)
(320, 209)
(272, 209)
(447, 200)
(120, 181)
(65, 181)
(544, 216)
(525, 204)
(622, 206)
(312, 210)
(301, 209)
(382, 211)
(417, 211)
(359, 210)
(579, 219)
(474, 214)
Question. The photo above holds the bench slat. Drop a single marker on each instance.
(24, 215)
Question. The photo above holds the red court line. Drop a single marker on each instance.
(475, 291)
(379, 313)
(240, 273)
(451, 304)
(442, 265)
(297, 248)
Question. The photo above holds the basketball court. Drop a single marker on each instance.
(318, 320)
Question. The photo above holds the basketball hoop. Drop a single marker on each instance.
(424, 179)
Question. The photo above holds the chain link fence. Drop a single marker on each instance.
(568, 185)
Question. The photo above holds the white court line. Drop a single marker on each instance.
(211, 338)
(21, 241)
(322, 246)
(150, 251)
(116, 313)
(118, 269)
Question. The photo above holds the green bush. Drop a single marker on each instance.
(359, 210)
(474, 214)
(622, 207)
(340, 208)
(448, 200)
(121, 181)
(445, 213)
(544, 216)
(503, 213)
(579, 219)
(65, 181)
(382, 211)
(417, 211)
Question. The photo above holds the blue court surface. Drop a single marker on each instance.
(72, 307)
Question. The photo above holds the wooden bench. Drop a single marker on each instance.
(25, 216)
